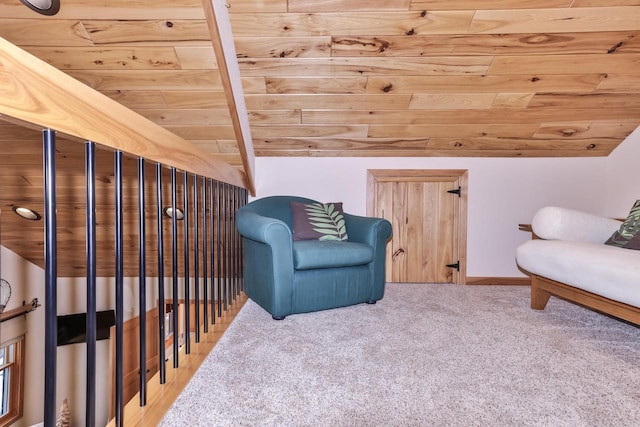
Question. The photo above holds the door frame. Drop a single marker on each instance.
(379, 175)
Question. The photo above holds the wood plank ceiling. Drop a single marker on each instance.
(507, 78)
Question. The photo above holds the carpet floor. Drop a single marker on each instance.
(425, 355)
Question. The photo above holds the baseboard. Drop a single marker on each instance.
(507, 281)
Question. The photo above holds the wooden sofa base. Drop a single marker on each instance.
(542, 288)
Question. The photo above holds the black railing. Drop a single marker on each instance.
(208, 208)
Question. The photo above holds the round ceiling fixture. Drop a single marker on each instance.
(43, 7)
(26, 213)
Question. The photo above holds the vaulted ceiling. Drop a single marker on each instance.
(360, 77)
(507, 78)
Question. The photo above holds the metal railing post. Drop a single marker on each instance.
(51, 276)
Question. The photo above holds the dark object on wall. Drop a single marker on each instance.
(72, 327)
(43, 7)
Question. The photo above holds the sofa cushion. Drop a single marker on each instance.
(556, 223)
(318, 221)
(604, 270)
(628, 236)
(310, 254)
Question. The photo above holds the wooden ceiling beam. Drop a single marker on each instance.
(38, 95)
(224, 48)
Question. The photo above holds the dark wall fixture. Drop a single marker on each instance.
(72, 328)
(43, 7)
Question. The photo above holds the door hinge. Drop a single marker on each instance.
(456, 265)
(457, 191)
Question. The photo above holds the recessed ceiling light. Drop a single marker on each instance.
(44, 7)
(27, 213)
(168, 211)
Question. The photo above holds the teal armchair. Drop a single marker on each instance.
(286, 277)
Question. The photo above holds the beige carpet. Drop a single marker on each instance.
(426, 355)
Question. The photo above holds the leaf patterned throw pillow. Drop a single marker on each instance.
(628, 236)
(318, 221)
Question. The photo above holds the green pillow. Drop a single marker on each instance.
(628, 236)
(318, 221)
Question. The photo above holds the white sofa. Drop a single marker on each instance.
(569, 259)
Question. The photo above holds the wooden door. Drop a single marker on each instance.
(426, 212)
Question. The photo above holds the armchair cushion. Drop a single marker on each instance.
(318, 221)
(310, 254)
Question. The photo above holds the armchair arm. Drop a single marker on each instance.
(268, 264)
(375, 232)
(263, 229)
(363, 229)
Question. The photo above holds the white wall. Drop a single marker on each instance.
(623, 177)
(502, 193)
(27, 282)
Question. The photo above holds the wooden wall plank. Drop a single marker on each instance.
(487, 44)
(210, 145)
(234, 159)
(457, 130)
(146, 79)
(350, 23)
(419, 233)
(254, 84)
(601, 100)
(258, 6)
(137, 99)
(113, 58)
(512, 100)
(566, 64)
(480, 116)
(283, 47)
(556, 152)
(304, 144)
(276, 117)
(332, 5)
(323, 101)
(192, 99)
(52, 32)
(311, 85)
(228, 146)
(620, 83)
(603, 3)
(196, 57)
(168, 31)
(616, 18)
(598, 145)
(486, 4)
(426, 101)
(309, 131)
(516, 83)
(365, 66)
(615, 129)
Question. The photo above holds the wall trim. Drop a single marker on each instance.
(501, 281)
